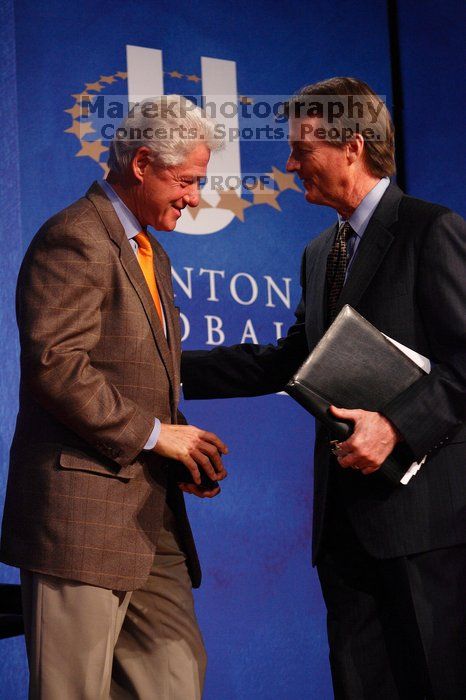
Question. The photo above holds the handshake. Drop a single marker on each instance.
(199, 451)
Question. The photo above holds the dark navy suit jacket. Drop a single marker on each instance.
(409, 280)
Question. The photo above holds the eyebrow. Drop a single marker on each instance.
(299, 144)
(192, 177)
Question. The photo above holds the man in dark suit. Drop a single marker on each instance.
(391, 558)
(93, 515)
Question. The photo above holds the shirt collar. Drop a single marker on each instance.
(359, 219)
(127, 219)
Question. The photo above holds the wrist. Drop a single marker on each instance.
(395, 433)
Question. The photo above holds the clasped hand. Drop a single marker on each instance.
(372, 440)
(196, 449)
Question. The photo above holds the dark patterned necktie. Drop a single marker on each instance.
(337, 263)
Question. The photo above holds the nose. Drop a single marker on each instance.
(291, 164)
(192, 197)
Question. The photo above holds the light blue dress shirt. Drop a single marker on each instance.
(360, 218)
(132, 228)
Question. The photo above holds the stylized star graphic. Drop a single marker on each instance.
(175, 74)
(76, 111)
(245, 100)
(93, 149)
(81, 95)
(232, 201)
(121, 75)
(265, 195)
(80, 129)
(194, 211)
(107, 79)
(194, 78)
(285, 181)
(96, 87)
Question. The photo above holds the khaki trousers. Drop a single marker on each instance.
(90, 643)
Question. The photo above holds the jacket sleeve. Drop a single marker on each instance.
(433, 408)
(62, 287)
(246, 369)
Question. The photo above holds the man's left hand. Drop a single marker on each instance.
(372, 440)
(199, 491)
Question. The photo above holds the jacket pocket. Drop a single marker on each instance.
(71, 458)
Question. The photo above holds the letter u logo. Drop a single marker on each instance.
(145, 79)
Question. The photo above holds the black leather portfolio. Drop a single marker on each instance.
(355, 366)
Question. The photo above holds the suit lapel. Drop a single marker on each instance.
(164, 284)
(133, 271)
(374, 245)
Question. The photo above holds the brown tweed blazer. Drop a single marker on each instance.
(83, 501)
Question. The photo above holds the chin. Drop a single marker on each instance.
(311, 197)
(167, 224)
(314, 197)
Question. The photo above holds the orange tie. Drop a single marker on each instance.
(146, 261)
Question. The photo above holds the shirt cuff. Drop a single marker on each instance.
(154, 436)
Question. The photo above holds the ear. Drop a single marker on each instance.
(355, 148)
(141, 160)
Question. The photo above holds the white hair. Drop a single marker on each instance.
(171, 126)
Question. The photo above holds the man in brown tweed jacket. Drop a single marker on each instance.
(94, 516)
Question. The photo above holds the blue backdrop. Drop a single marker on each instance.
(260, 606)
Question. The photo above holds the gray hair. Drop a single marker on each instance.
(171, 126)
